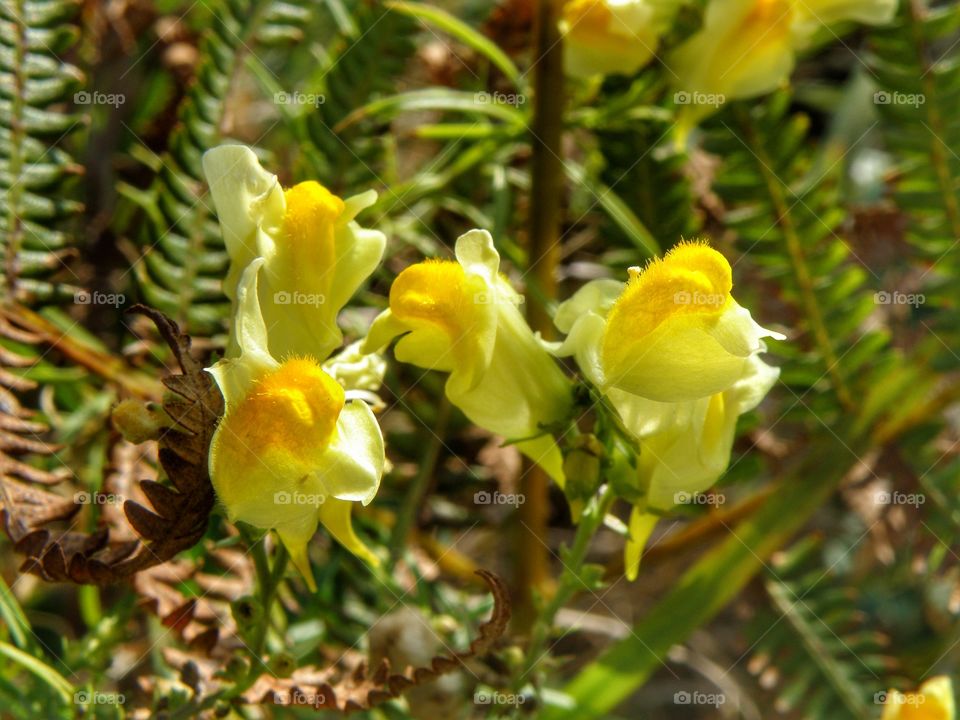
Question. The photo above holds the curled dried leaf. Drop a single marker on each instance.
(178, 513)
(331, 689)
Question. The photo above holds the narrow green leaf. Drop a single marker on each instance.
(13, 616)
(706, 588)
(616, 208)
(435, 99)
(42, 671)
(462, 32)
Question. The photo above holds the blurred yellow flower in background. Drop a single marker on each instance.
(602, 37)
(748, 47)
(464, 318)
(933, 701)
(316, 255)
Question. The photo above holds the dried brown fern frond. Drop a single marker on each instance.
(203, 621)
(347, 686)
(331, 689)
(180, 511)
(21, 437)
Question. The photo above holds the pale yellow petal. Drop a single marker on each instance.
(452, 324)
(295, 535)
(245, 197)
(612, 36)
(272, 440)
(640, 527)
(744, 49)
(676, 334)
(355, 459)
(335, 516)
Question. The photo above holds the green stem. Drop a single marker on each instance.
(268, 582)
(569, 581)
(413, 501)
(709, 585)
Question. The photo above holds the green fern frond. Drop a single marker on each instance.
(184, 259)
(917, 64)
(789, 221)
(815, 646)
(648, 173)
(362, 66)
(35, 170)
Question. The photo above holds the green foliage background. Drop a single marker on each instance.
(801, 598)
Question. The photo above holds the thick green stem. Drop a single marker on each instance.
(268, 581)
(543, 255)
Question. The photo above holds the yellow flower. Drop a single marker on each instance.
(684, 447)
(463, 318)
(678, 360)
(933, 701)
(316, 255)
(747, 47)
(602, 37)
(673, 333)
(291, 450)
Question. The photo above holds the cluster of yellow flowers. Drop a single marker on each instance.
(670, 350)
(743, 49)
(297, 444)
(678, 359)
